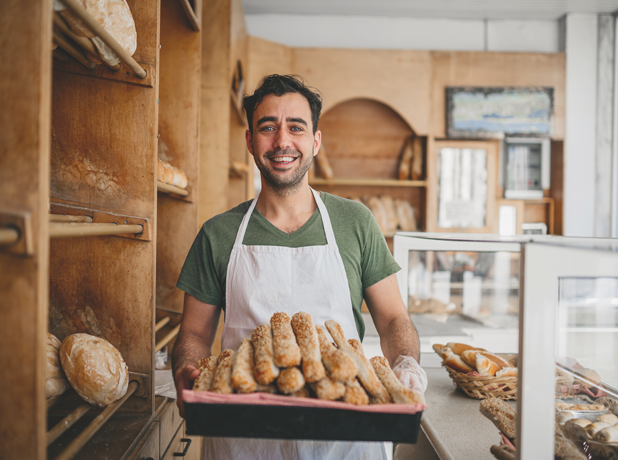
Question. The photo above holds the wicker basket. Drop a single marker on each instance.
(479, 387)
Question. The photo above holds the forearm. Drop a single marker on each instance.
(189, 349)
(399, 337)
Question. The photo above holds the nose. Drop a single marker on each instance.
(282, 140)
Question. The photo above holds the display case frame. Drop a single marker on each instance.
(543, 264)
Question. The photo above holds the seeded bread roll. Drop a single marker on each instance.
(55, 380)
(307, 338)
(302, 393)
(95, 369)
(399, 393)
(328, 388)
(379, 394)
(355, 393)
(207, 367)
(222, 381)
(286, 350)
(339, 365)
(243, 380)
(265, 369)
(290, 380)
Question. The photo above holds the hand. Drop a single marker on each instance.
(411, 374)
(184, 381)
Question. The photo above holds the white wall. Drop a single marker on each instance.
(580, 137)
(373, 32)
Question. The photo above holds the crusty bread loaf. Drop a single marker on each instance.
(95, 369)
(355, 394)
(458, 348)
(286, 350)
(243, 380)
(222, 381)
(376, 207)
(399, 393)
(507, 372)
(339, 365)
(290, 380)
(55, 380)
(323, 164)
(307, 338)
(564, 448)
(437, 347)
(583, 422)
(168, 173)
(265, 369)
(501, 414)
(207, 367)
(405, 215)
(160, 169)
(501, 362)
(180, 178)
(595, 427)
(390, 211)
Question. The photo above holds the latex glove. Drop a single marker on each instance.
(411, 374)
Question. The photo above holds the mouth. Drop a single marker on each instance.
(282, 160)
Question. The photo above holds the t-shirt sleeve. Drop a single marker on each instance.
(377, 261)
(198, 275)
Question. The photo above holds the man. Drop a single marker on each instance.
(291, 249)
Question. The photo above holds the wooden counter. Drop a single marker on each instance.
(453, 423)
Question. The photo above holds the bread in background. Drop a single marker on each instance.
(55, 380)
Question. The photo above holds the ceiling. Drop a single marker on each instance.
(452, 9)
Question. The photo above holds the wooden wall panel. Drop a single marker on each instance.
(399, 79)
(266, 58)
(215, 110)
(557, 183)
(25, 34)
(459, 68)
(179, 111)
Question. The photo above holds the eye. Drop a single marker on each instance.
(267, 128)
(297, 129)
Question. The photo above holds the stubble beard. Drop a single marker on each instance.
(285, 186)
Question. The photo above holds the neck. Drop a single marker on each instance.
(289, 211)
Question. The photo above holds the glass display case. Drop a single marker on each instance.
(568, 384)
(463, 287)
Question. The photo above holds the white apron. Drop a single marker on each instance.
(262, 280)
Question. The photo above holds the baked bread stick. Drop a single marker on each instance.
(285, 348)
(265, 370)
(243, 380)
(340, 366)
(307, 338)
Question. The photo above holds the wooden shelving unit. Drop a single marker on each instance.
(82, 144)
(369, 182)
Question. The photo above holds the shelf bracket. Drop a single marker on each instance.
(21, 222)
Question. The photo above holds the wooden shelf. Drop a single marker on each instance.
(167, 188)
(369, 182)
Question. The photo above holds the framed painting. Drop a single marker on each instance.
(496, 112)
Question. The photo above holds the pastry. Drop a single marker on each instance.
(95, 369)
(243, 380)
(607, 418)
(265, 369)
(485, 366)
(507, 372)
(607, 434)
(340, 366)
(457, 364)
(290, 380)
(458, 348)
(328, 388)
(55, 380)
(307, 338)
(286, 350)
(594, 428)
(501, 414)
(583, 422)
(355, 394)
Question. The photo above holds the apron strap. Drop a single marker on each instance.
(328, 227)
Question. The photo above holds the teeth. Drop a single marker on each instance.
(283, 159)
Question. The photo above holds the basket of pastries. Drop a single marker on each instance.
(479, 373)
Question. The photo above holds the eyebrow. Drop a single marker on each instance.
(289, 120)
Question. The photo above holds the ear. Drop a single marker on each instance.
(249, 141)
(317, 142)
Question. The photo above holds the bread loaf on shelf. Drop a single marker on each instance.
(171, 175)
(55, 380)
(95, 369)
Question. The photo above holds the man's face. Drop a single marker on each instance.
(283, 144)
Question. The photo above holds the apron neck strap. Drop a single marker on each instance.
(328, 228)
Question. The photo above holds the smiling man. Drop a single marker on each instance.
(290, 249)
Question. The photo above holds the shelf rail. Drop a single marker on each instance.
(162, 323)
(8, 236)
(97, 29)
(77, 54)
(193, 15)
(67, 422)
(75, 229)
(85, 436)
(173, 333)
(68, 218)
(167, 188)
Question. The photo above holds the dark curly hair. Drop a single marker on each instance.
(280, 85)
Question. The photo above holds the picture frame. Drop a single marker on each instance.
(496, 112)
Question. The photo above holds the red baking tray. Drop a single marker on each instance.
(262, 415)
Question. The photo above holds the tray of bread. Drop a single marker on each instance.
(478, 373)
(289, 381)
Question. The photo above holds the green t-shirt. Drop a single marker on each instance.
(365, 255)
